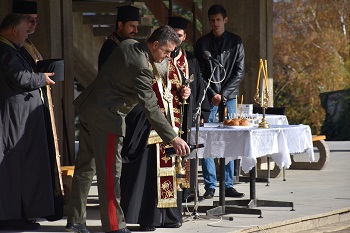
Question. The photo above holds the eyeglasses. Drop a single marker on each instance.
(32, 20)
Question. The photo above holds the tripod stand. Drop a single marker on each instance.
(221, 209)
(196, 117)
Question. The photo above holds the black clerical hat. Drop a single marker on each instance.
(24, 7)
(52, 65)
(128, 13)
(178, 22)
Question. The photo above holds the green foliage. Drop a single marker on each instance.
(311, 55)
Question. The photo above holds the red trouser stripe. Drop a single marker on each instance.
(112, 211)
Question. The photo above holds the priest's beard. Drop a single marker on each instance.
(162, 67)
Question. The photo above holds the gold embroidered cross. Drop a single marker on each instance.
(166, 159)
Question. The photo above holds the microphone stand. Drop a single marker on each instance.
(197, 118)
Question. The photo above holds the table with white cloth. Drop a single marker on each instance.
(248, 144)
(262, 174)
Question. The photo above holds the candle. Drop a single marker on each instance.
(241, 105)
(236, 106)
(266, 75)
(260, 66)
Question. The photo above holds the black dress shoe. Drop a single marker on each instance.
(77, 228)
(19, 224)
(231, 192)
(171, 225)
(147, 227)
(209, 193)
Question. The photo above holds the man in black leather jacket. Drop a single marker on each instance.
(227, 49)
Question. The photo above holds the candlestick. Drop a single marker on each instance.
(263, 98)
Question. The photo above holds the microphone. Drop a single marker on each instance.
(170, 152)
(207, 56)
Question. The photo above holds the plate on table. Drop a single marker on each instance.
(212, 124)
(238, 126)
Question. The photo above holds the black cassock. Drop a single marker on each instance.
(58, 197)
(139, 173)
(25, 173)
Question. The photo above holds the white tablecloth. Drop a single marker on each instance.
(247, 144)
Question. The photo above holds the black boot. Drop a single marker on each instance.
(77, 228)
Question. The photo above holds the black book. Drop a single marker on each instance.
(170, 152)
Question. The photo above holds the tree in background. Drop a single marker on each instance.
(311, 55)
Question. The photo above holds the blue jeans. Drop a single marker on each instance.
(231, 109)
(208, 165)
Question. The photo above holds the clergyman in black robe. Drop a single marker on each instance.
(29, 10)
(25, 172)
(138, 180)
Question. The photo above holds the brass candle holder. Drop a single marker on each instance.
(263, 101)
(180, 182)
(178, 167)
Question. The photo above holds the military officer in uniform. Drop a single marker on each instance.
(124, 80)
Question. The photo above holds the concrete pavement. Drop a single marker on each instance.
(321, 202)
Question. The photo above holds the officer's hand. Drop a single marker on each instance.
(180, 146)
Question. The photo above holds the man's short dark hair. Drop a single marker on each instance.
(164, 35)
(11, 21)
(217, 9)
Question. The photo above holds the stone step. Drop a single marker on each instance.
(100, 19)
(98, 6)
(110, 19)
(143, 31)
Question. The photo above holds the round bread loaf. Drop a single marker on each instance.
(244, 122)
(227, 122)
(234, 122)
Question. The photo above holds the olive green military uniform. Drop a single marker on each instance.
(124, 80)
